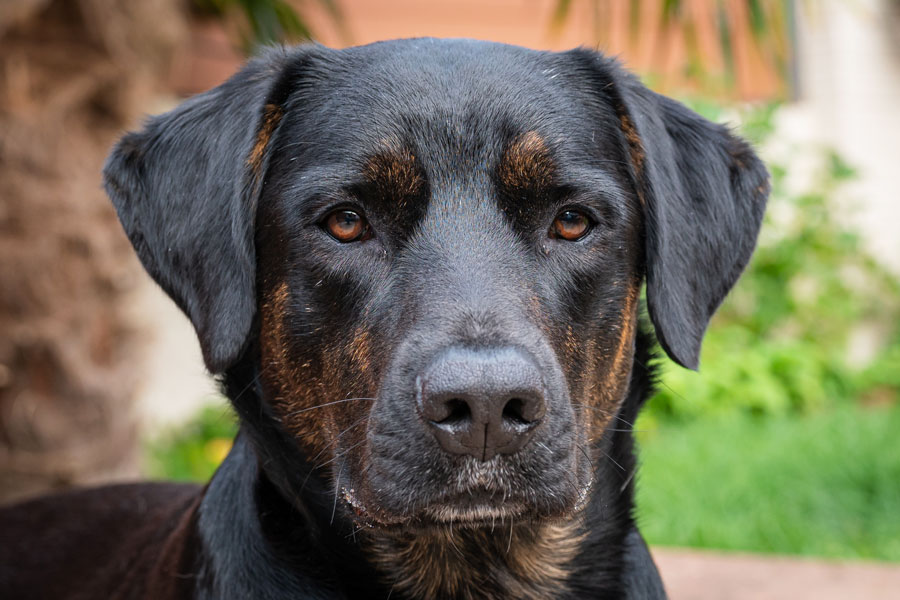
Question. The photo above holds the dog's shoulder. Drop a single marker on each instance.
(119, 533)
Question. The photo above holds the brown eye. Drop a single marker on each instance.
(570, 225)
(346, 226)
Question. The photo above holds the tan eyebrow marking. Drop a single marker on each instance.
(527, 163)
(394, 171)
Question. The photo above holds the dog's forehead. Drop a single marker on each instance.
(443, 101)
(461, 78)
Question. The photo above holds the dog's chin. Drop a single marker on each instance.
(475, 515)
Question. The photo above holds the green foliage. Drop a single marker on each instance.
(826, 484)
(266, 21)
(781, 341)
(768, 22)
(193, 451)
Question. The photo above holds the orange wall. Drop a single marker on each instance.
(522, 22)
(670, 55)
(659, 50)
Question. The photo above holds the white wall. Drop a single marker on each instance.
(849, 73)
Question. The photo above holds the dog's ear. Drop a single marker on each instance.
(185, 189)
(703, 192)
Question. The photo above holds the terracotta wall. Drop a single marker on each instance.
(681, 54)
(670, 54)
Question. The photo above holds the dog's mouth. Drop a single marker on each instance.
(474, 507)
(476, 513)
(478, 508)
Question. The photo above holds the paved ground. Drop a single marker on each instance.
(697, 575)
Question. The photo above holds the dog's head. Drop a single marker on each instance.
(434, 252)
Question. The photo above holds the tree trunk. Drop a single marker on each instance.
(73, 75)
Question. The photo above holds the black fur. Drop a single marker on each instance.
(460, 155)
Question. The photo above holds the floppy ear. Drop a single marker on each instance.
(185, 189)
(703, 193)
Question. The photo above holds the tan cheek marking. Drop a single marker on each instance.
(349, 370)
(361, 351)
(295, 389)
(274, 352)
(604, 388)
(572, 345)
(527, 163)
(613, 384)
(626, 335)
(271, 117)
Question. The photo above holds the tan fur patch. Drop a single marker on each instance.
(605, 387)
(295, 389)
(273, 338)
(528, 562)
(635, 146)
(271, 117)
(394, 171)
(620, 366)
(626, 334)
(572, 345)
(527, 163)
(361, 351)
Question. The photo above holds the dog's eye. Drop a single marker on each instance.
(571, 225)
(347, 226)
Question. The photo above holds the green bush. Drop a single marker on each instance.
(193, 451)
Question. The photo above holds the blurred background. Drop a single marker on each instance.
(787, 442)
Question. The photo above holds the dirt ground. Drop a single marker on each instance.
(697, 575)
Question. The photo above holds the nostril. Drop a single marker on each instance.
(522, 414)
(514, 411)
(457, 413)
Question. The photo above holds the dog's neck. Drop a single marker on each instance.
(528, 561)
(239, 560)
(261, 543)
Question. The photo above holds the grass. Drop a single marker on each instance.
(826, 484)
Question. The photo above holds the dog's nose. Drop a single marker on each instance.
(481, 402)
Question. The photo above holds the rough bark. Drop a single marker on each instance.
(73, 75)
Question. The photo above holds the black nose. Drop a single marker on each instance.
(482, 402)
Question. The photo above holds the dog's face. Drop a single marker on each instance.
(452, 267)
(435, 249)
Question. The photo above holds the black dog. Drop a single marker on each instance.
(417, 267)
